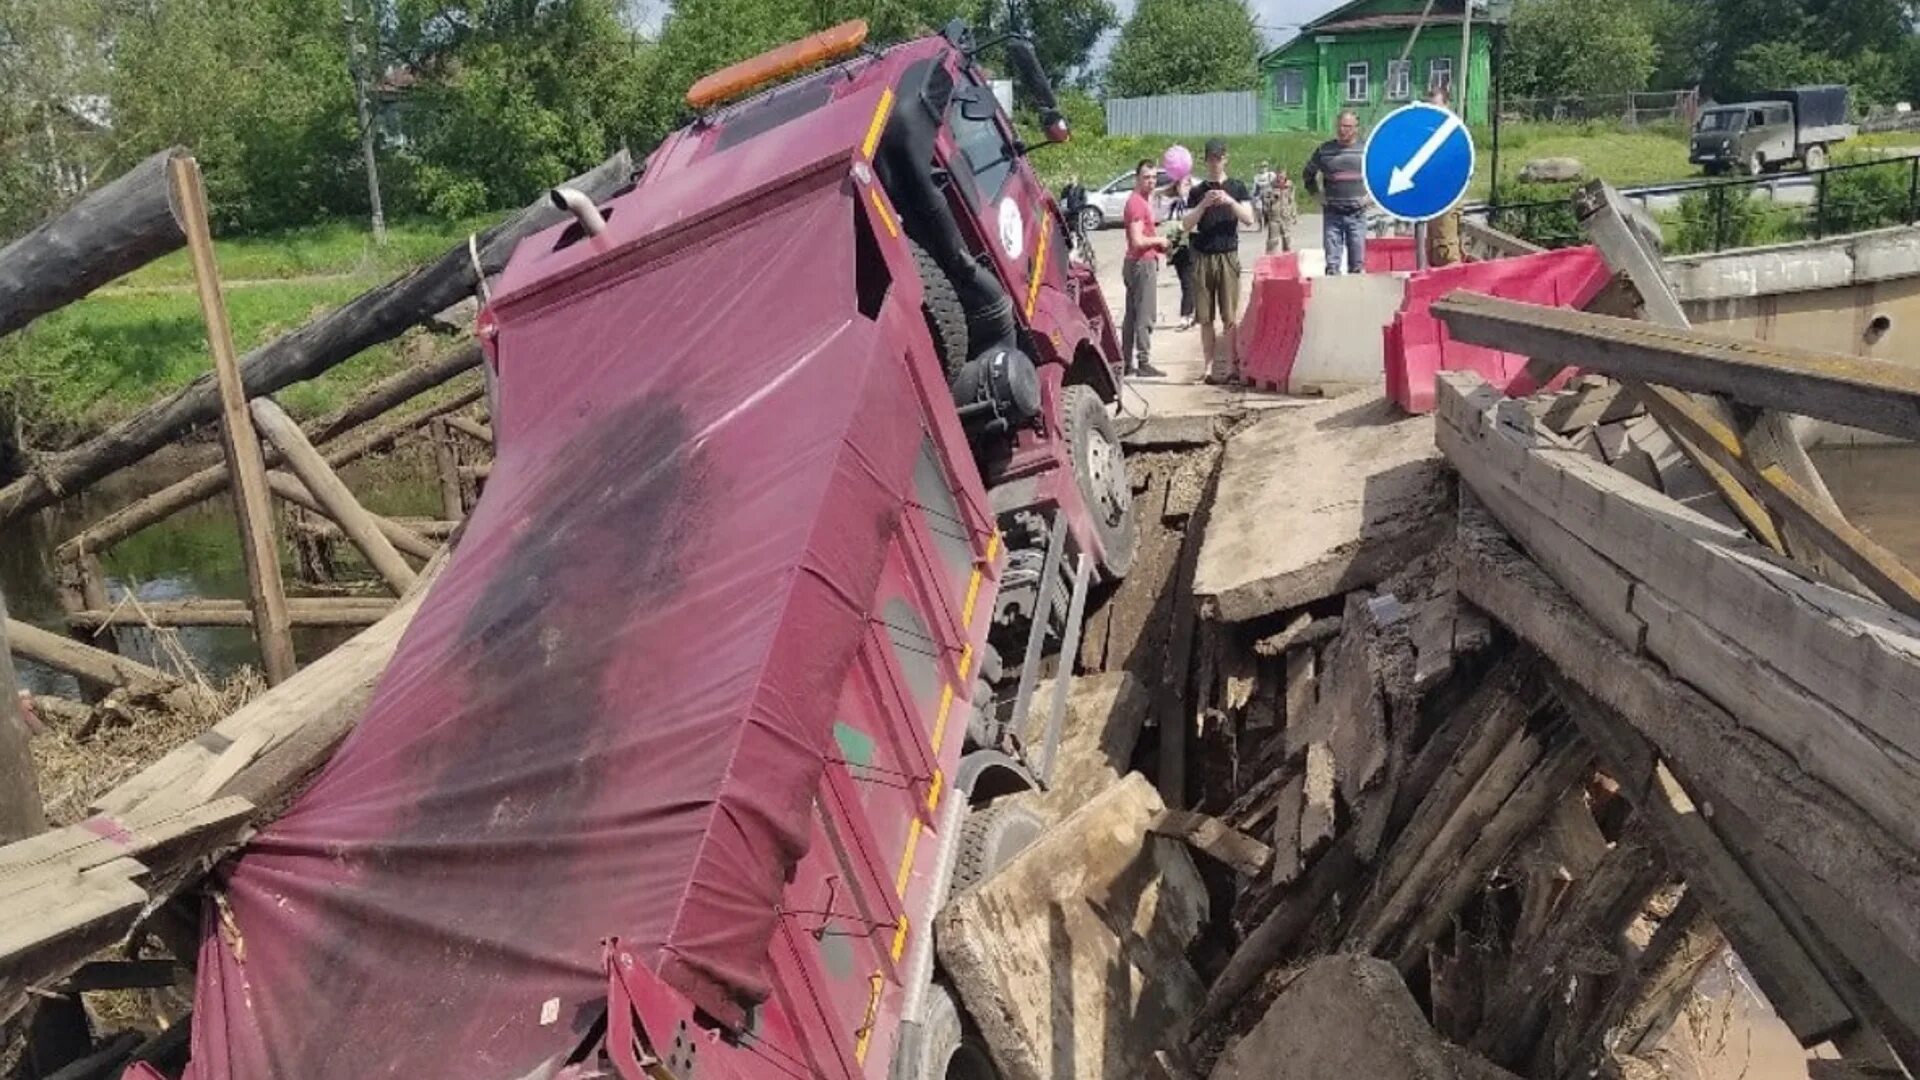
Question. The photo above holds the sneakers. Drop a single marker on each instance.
(1145, 370)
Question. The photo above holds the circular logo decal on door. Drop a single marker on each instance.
(1013, 229)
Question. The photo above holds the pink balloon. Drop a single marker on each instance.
(1178, 161)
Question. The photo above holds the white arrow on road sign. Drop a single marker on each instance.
(1401, 179)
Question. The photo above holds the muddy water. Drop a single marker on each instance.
(194, 554)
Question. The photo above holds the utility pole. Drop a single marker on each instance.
(1466, 57)
(365, 110)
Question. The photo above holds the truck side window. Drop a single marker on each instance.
(988, 153)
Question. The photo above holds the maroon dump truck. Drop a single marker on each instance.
(804, 461)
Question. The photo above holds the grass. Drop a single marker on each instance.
(335, 247)
(89, 364)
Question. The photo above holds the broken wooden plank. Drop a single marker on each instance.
(252, 506)
(1879, 879)
(63, 921)
(1288, 805)
(1214, 838)
(1317, 808)
(1860, 391)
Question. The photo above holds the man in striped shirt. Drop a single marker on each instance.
(1335, 174)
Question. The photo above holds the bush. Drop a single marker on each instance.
(1724, 217)
(1540, 213)
(1867, 198)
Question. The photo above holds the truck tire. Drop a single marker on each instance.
(990, 837)
(1816, 158)
(950, 1050)
(1756, 164)
(940, 302)
(1100, 470)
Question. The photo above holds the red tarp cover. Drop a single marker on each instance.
(610, 715)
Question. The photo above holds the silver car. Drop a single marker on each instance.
(1107, 204)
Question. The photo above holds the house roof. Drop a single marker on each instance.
(1383, 22)
(1355, 16)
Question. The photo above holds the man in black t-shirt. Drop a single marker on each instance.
(1216, 208)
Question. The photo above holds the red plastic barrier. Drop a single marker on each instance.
(1269, 337)
(1390, 253)
(1417, 344)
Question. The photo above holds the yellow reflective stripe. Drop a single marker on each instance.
(906, 861)
(878, 123)
(966, 660)
(900, 939)
(1039, 261)
(973, 594)
(866, 1026)
(940, 718)
(993, 545)
(886, 216)
(933, 790)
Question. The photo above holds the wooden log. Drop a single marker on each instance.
(1567, 761)
(452, 504)
(421, 528)
(332, 494)
(251, 503)
(377, 315)
(213, 480)
(483, 433)
(1800, 817)
(117, 228)
(292, 490)
(22, 813)
(1215, 838)
(1860, 391)
(476, 472)
(395, 390)
(301, 611)
(95, 667)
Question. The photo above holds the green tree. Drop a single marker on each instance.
(1185, 47)
(1577, 48)
(1064, 32)
(53, 82)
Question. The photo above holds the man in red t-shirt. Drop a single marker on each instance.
(1140, 272)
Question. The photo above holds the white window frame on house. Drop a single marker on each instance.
(1399, 80)
(1440, 74)
(1365, 71)
(1289, 79)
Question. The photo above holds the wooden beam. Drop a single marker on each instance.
(290, 489)
(1877, 568)
(395, 390)
(117, 228)
(211, 481)
(1860, 391)
(1215, 838)
(448, 469)
(1800, 817)
(332, 493)
(301, 611)
(22, 814)
(95, 667)
(378, 315)
(483, 433)
(251, 503)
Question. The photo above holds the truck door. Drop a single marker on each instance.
(1010, 209)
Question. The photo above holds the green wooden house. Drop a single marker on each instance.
(1349, 58)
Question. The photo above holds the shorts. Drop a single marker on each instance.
(1216, 286)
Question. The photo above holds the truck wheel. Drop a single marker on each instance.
(940, 302)
(990, 837)
(1101, 471)
(1756, 164)
(1816, 158)
(950, 1050)
(1091, 219)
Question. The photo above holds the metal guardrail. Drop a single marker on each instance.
(1551, 222)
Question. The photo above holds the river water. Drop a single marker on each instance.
(194, 554)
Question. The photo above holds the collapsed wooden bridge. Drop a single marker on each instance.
(1542, 704)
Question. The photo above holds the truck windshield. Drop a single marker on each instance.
(1721, 119)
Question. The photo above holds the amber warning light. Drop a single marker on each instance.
(736, 79)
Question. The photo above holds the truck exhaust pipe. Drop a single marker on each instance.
(576, 202)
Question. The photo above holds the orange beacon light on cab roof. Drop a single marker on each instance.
(736, 79)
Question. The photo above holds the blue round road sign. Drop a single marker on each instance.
(1418, 161)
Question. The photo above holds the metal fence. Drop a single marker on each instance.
(1629, 109)
(1226, 113)
(1718, 215)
